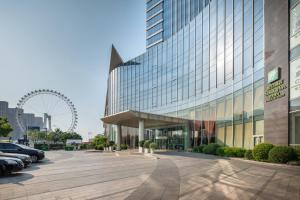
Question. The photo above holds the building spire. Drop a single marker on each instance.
(115, 58)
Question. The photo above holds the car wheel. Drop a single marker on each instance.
(34, 158)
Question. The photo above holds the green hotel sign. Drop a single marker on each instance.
(273, 75)
(275, 88)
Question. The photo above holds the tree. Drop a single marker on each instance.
(99, 140)
(60, 136)
(5, 127)
(54, 136)
(65, 136)
(37, 135)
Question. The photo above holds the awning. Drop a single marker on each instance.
(131, 118)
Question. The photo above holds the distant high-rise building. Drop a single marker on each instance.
(29, 120)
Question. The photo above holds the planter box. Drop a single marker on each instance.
(146, 150)
(152, 151)
(141, 150)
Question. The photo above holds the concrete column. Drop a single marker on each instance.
(141, 133)
(156, 134)
(118, 137)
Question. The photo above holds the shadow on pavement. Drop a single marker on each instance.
(15, 178)
(35, 166)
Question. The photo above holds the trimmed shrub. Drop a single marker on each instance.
(124, 146)
(111, 143)
(200, 148)
(282, 154)
(297, 151)
(261, 151)
(99, 147)
(69, 148)
(220, 151)
(83, 146)
(248, 154)
(147, 144)
(211, 148)
(195, 149)
(153, 145)
(56, 146)
(234, 152)
(141, 143)
(43, 147)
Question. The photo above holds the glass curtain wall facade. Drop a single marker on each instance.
(294, 137)
(209, 69)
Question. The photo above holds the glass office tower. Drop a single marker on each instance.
(205, 62)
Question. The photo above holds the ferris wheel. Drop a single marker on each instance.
(53, 109)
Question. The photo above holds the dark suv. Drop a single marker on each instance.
(35, 154)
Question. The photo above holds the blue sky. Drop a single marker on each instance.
(65, 45)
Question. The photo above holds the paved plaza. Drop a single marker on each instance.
(94, 175)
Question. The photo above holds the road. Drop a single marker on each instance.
(94, 175)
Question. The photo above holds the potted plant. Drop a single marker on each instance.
(153, 146)
(147, 146)
(111, 144)
(141, 146)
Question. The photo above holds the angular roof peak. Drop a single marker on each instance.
(115, 58)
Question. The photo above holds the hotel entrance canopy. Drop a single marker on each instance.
(131, 118)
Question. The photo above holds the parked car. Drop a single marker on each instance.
(25, 158)
(9, 165)
(35, 154)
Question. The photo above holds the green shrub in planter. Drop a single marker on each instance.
(124, 146)
(147, 144)
(211, 148)
(248, 154)
(69, 148)
(153, 145)
(220, 151)
(261, 151)
(56, 146)
(282, 154)
(111, 143)
(43, 147)
(99, 147)
(141, 143)
(234, 152)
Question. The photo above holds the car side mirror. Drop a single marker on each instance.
(19, 149)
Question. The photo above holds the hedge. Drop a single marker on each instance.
(99, 147)
(249, 154)
(56, 146)
(220, 151)
(211, 148)
(234, 152)
(43, 147)
(199, 149)
(261, 151)
(69, 148)
(282, 154)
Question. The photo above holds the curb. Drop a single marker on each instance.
(266, 163)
